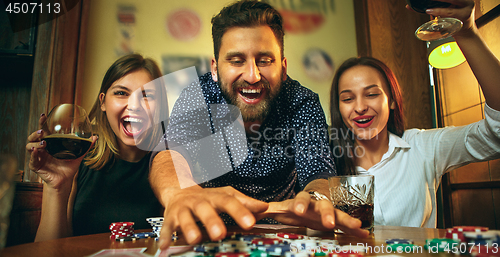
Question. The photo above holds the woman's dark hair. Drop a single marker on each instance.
(344, 161)
(246, 14)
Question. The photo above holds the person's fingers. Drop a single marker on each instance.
(252, 204)
(34, 163)
(234, 208)
(301, 203)
(42, 120)
(188, 226)
(35, 136)
(168, 228)
(326, 210)
(349, 224)
(211, 219)
(460, 9)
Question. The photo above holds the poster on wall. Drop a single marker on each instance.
(303, 16)
(318, 65)
(183, 24)
(180, 70)
(125, 40)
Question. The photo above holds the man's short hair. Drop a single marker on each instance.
(246, 13)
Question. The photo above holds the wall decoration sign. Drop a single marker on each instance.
(303, 16)
(183, 24)
(125, 40)
(180, 71)
(318, 65)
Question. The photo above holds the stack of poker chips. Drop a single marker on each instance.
(121, 229)
(466, 239)
(156, 223)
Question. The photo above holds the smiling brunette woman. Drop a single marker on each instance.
(111, 184)
(366, 104)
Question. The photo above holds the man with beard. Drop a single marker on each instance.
(276, 169)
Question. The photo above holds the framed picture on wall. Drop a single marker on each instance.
(17, 32)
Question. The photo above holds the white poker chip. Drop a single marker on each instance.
(299, 254)
(352, 248)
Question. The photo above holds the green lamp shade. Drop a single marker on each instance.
(445, 55)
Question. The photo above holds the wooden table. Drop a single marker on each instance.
(87, 245)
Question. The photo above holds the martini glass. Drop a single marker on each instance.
(438, 28)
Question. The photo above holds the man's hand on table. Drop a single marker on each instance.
(318, 215)
(189, 205)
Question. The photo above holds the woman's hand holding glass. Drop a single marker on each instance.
(55, 172)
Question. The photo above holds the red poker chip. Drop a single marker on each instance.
(455, 235)
(121, 229)
(345, 254)
(289, 235)
(122, 232)
(122, 235)
(128, 223)
(118, 236)
(120, 226)
(230, 254)
(266, 241)
(469, 229)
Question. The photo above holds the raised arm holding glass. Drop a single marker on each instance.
(408, 164)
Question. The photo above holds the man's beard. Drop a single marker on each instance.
(251, 112)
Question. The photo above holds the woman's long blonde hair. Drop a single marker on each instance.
(106, 147)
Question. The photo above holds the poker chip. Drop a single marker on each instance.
(297, 254)
(289, 235)
(469, 229)
(481, 235)
(258, 253)
(156, 224)
(155, 219)
(128, 238)
(121, 230)
(328, 245)
(145, 235)
(228, 254)
(452, 234)
(305, 244)
(277, 249)
(399, 241)
(233, 243)
(441, 244)
(347, 254)
(402, 248)
(211, 247)
(352, 249)
(266, 241)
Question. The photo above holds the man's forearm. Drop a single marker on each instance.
(169, 171)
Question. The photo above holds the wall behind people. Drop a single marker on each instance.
(319, 35)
